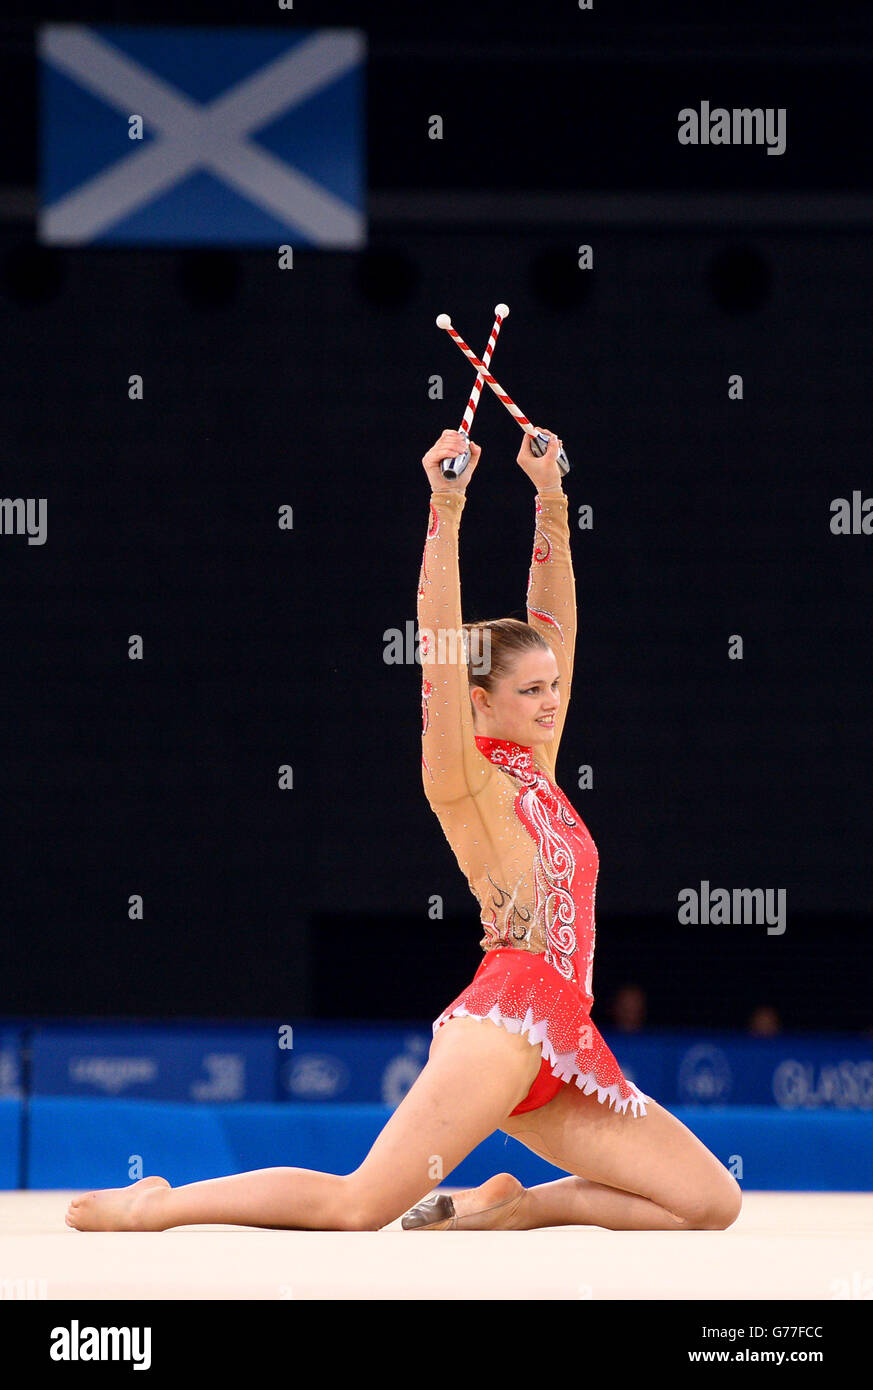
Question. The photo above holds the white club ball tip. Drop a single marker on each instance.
(443, 321)
(502, 310)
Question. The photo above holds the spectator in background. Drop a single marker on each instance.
(764, 1021)
(628, 1008)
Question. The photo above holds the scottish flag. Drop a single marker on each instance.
(248, 136)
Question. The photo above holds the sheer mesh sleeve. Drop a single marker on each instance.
(551, 601)
(451, 765)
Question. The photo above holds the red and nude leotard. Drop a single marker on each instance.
(526, 853)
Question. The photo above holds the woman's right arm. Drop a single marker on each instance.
(451, 764)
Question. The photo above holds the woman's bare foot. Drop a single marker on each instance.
(494, 1206)
(115, 1208)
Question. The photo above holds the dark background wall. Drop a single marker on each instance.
(309, 388)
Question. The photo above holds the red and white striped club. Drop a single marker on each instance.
(539, 442)
(454, 467)
(501, 311)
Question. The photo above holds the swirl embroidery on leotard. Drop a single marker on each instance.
(555, 862)
(518, 763)
(553, 874)
(519, 929)
(542, 546)
(541, 553)
(426, 692)
(432, 530)
(546, 618)
(426, 687)
(492, 931)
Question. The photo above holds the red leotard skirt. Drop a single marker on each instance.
(522, 992)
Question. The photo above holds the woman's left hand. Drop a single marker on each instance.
(543, 472)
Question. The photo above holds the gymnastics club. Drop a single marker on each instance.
(538, 442)
(454, 467)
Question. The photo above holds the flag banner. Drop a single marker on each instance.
(201, 136)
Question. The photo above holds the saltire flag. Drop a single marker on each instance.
(249, 136)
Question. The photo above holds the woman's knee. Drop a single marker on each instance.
(363, 1209)
(717, 1207)
(728, 1206)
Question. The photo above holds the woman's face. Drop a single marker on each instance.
(524, 704)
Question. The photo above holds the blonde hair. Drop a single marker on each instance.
(501, 641)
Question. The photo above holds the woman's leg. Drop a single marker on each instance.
(476, 1074)
(633, 1173)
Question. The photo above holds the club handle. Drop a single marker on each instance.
(539, 443)
(454, 467)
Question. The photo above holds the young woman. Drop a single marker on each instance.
(517, 1050)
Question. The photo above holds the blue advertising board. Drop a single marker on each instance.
(151, 1062)
(791, 1072)
(354, 1063)
(10, 1063)
(377, 1063)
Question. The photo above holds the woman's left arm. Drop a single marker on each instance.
(551, 589)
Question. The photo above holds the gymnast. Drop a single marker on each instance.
(516, 1051)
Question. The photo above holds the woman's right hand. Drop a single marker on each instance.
(448, 446)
